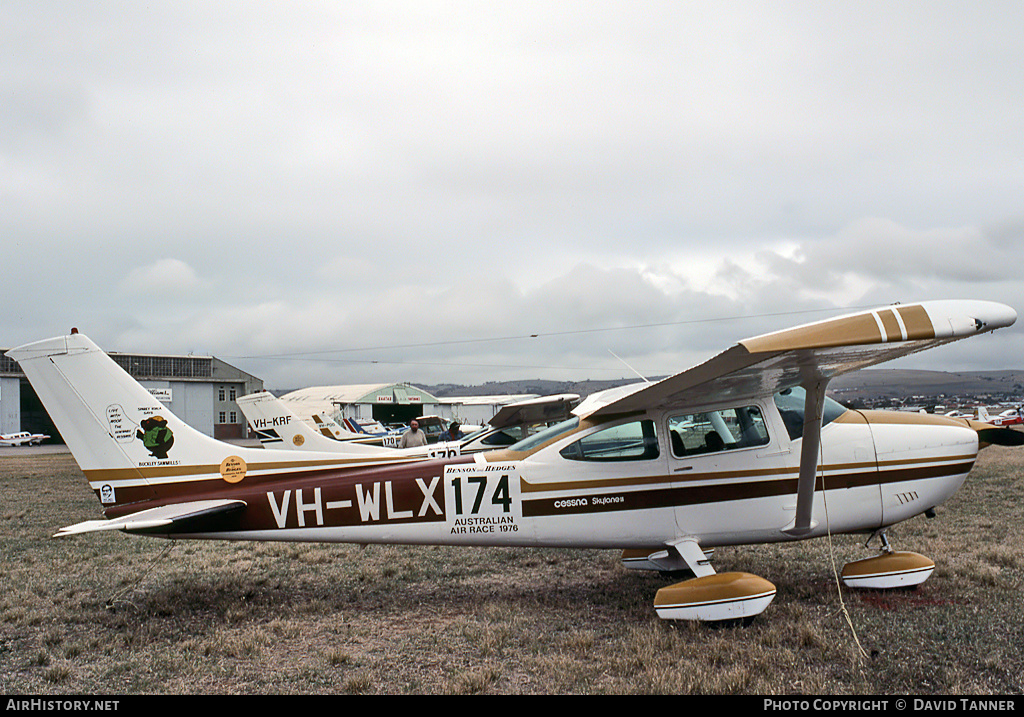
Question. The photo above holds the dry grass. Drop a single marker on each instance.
(114, 614)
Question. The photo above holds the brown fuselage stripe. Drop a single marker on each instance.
(688, 477)
(727, 492)
(166, 471)
(254, 488)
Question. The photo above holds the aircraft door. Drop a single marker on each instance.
(729, 467)
(615, 479)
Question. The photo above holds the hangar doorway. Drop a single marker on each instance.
(388, 413)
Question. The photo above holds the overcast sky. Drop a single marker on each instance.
(353, 192)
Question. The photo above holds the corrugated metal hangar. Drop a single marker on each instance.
(392, 403)
(200, 390)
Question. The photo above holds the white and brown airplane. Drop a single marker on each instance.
(277, 426)
(742, 449)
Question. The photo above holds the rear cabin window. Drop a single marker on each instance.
(635, 441)
(713, 431)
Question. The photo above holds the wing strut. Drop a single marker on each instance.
(814, 408)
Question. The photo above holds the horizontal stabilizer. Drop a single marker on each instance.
(176, 514)
(1000, 436)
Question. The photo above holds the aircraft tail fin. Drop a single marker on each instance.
(278, 427)
(330, 428)
(354, 426)
(129, 445)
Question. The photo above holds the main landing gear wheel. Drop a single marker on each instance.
(721, 596)
(888, 570)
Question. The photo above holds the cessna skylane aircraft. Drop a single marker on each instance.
(742, 449)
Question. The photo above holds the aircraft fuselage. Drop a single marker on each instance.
(876, 469)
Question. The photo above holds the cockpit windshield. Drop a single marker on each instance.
(549, 433)
(790, 403)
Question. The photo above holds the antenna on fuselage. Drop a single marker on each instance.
(644, 378)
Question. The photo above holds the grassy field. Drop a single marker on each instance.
(115, 614)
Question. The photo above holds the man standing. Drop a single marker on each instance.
(413, 437)
(454, 433)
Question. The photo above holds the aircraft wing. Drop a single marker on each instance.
(535, 410)
(808, 354)
(177, 515)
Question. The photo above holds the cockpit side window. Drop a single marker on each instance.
(633, 441)
(714, 431)
(790, 403)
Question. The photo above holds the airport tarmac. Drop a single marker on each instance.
(22, 451)
(49, 448)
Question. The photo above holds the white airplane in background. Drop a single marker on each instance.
(744, 448)
(370, 430)
(22, 438)
(278, 427)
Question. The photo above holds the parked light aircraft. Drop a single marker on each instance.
(744, 448)
(22, 438)
(1009, 417)
(389, 437)
(278, 427)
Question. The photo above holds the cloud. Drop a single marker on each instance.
(883, 250)
(162, 276)
(651, 179)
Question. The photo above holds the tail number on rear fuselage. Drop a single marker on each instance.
(371, 503)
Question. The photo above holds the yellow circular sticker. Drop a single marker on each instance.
(232, 469)
(298, 440)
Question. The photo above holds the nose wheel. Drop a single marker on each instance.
(883, 540)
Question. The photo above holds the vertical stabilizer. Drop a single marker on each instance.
(278, 427)
(120, 434)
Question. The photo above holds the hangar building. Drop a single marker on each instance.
(200, 390)
(391, 403)
(384, 402)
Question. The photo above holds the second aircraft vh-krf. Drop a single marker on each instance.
(742, 449)
(278, 427)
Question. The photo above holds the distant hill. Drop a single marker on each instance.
(903, 383)
(866, 384)
(869, 383)
(541, 387)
